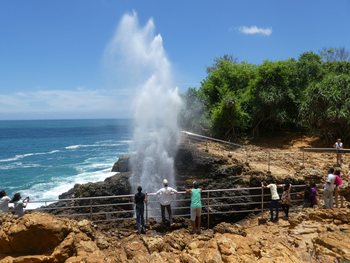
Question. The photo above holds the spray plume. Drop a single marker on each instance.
(156, 104)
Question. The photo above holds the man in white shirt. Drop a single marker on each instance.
(329, 187)
(274, 203)
(165, 196)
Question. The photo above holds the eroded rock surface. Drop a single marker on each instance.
(310, 235)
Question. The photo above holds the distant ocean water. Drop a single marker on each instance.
(44, 158)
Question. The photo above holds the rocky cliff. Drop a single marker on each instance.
(310, 235)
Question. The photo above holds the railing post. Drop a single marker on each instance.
(268, 162)
(208, 208)
(147, 212)
(303, 159)
(262, 201)
(91, 209)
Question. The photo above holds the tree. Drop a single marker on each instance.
(193, 115)
(275, 96)
(224, 93)
(335, 54)
(326, 107)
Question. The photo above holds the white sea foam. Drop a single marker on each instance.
(50, 191)
(22, 156)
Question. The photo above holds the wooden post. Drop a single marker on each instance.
(268, 162)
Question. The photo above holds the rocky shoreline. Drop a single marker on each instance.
(310, 235)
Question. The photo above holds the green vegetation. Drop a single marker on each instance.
(311, 93)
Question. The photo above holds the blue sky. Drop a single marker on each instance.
(52, 52)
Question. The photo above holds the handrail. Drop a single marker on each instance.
(225, 203)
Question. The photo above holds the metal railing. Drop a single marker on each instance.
(218, 202)
(265, 156)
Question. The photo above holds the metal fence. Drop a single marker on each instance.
(121, 207)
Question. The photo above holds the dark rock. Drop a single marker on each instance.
(122, 165)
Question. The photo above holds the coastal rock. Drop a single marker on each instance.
(122, 165)
(314, 237)
(41, 237)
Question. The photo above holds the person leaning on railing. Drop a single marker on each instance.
(274, 198)
(165, 196)
(196, 207)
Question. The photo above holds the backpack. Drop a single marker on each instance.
(338, 181)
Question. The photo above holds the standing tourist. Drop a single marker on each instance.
(338, 145)
(338, 182)
(307, 195)
(19, 204)
(140, 199)
(313, 195)
(196, 207)
(285, 199)
(4, 201)
(329, 189)
(165, 196)
(274, 199)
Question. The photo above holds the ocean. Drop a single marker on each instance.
(44, 158)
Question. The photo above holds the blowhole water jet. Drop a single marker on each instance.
(156, 104)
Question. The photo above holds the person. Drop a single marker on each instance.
(165, 196)
(285, 199)
(196, 207)
(140, 199)
(274, 199)
(19, 204)
(348, 174)
(4, 201)
(329, 189)
(307, 196)
(338, 145)
(313, 195)
(338, 182)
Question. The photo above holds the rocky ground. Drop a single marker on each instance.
(310, 235)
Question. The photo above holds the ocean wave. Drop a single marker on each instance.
(78, 146)
(49, 191)
(19, 165)
(21, 156)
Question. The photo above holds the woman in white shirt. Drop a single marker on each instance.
(4, 202)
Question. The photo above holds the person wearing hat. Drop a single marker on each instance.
(165, 196)
(4, 201)
(196, 207)
(19, 204)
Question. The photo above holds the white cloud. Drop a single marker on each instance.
(76, 103)
(253, 30)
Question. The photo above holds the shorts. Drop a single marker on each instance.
(195, 212)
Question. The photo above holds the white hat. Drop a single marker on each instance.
(165, 181)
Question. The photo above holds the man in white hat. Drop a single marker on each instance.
(165, 196)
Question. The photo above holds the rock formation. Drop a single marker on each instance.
(310, 235)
